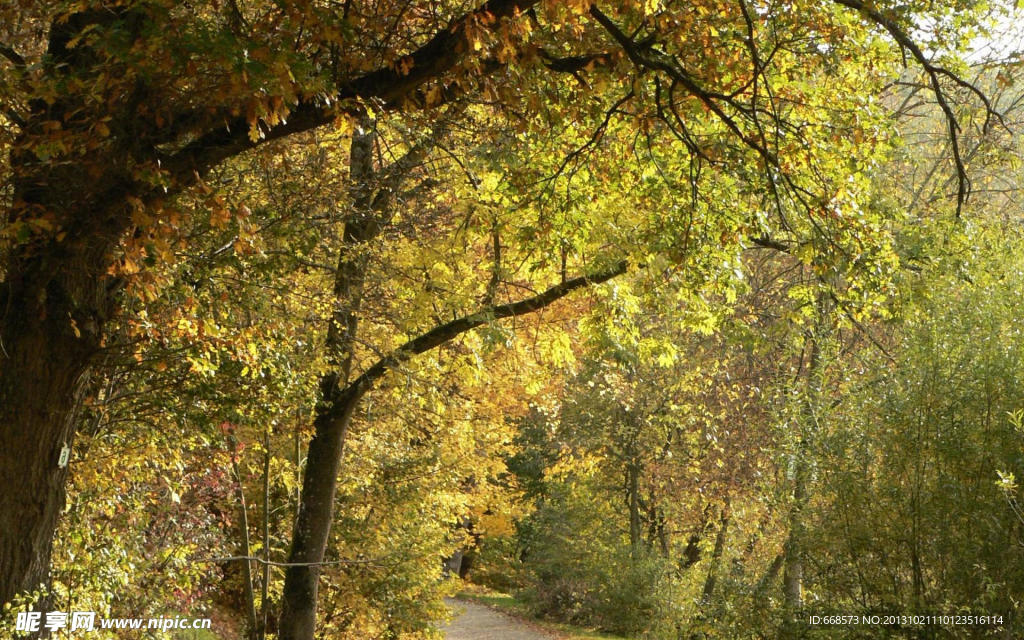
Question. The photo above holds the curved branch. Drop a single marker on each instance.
(446, 332)
(934, 72)
(389, 86)
(644, 57)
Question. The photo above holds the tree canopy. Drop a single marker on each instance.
(301, 297)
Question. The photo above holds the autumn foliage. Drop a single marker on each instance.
(679, 320)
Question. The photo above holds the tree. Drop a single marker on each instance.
(340, 396)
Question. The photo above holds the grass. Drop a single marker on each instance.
(508, 604)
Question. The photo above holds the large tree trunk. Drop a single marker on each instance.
(55, 300)
(39, 384)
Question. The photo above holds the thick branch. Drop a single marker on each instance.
(770, 243)
(444, 333)
(574, 64)
(388, 87)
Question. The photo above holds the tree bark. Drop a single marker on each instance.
(55, 301)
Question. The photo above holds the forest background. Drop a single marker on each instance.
(678, 320)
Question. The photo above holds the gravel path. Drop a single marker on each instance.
(477, 622)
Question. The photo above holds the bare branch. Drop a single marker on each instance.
(934, 72)
(644, 57)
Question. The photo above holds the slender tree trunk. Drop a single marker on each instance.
(265, 578)
(793, 573)
(334, 412)
(716, 556)
(661, 531)
(711, 580)
(250, 595)
(312, 528)
(633, 500)
(768, 578)
(793, 569)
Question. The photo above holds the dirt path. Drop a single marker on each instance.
(477, 622)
